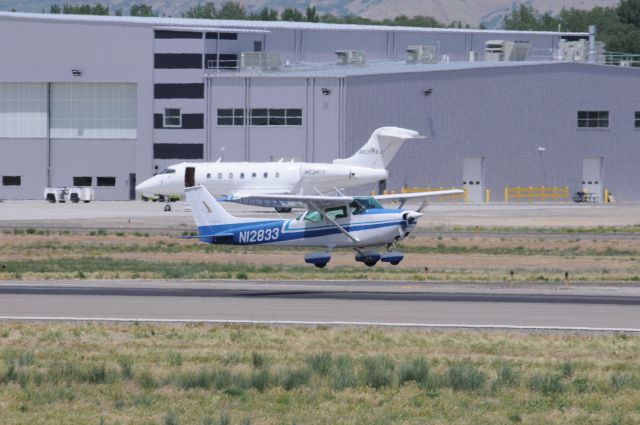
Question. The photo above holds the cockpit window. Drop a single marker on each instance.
(313, 217)
(168, 171)
(336, 212)
(366, 203)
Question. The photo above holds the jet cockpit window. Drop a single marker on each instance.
(336, 212)
(168, 171)
(313, 217)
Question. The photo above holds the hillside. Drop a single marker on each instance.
(472, 12)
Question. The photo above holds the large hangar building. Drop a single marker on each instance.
(108, 101)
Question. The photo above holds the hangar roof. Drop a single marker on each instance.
(199, 24)
(378, 68)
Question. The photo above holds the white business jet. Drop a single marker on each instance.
(235, 180)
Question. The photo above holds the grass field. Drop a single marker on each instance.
(95, 373)
(37, 254)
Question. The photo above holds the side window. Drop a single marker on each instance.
(313, 217)
(336, 212)
(230, 176)
(241, 175)
(219, 176)
(265, 175)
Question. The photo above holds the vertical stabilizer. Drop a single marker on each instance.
(205, 209)
(381, 147)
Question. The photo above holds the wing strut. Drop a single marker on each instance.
(332, 221)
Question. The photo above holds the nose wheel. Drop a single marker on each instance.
(167, 207)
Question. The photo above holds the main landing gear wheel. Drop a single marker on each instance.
(369, 258)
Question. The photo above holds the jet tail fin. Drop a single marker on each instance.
(381, 147)
(205, 209)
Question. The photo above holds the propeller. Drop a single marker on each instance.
(411, 218)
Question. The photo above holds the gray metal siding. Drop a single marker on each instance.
(26, 158)
(95, 158)
(504, 115)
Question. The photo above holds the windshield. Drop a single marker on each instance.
(168, 171)
(360, 205)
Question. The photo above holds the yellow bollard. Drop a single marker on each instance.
(506, 194)
(487, 196)
(606, 196)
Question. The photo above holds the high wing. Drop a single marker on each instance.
(311, 202)
(422, 196)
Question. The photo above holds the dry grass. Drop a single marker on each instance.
(194, 374)
(107, 256)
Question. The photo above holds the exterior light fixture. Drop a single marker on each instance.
(428, 92)
(76, 72)
(326, 91)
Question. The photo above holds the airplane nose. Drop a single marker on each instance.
(145, 186)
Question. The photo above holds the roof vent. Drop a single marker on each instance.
(506, 50)
(269, 61)
(578, 51)
(351, 57)
(421, 54)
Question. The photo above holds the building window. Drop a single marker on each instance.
(106, 181)
(23, 110)
(637, 120)
(593, 119)
(172, 117)
(82, 181)
(276, 117)
(230, 116)
(12, 180)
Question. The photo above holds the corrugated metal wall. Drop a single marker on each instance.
(504, 115)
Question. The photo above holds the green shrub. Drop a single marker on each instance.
(621, 380)
(257, 359)
(175, 359)
(465, 376)
(320, 363)
(415, 370)
(171, 418)
(507, 376)
(547, 383)
(293, 378)
(260, 380)
(343, 373)
(568, 368)
(377, 371)
(146, 380)
(126, 366)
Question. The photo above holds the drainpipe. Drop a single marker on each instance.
(592, 44)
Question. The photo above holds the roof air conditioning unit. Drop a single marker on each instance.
(577, 51)
(421, 54)
(269, 61)
(506, 50)
(351, 57)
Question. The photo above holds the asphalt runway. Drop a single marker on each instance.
(349, 303)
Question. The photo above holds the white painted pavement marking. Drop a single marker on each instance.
(315, 323)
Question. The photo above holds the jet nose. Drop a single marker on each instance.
(146, 186)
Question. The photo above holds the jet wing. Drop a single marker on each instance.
(403, 198)
(311, 202)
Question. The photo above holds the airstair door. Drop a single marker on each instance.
(189, 176)
(473, 178)
(592, 178)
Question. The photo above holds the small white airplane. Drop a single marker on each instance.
(237, 179)
(329, 222)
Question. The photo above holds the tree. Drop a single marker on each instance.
(55, 9)
(523, 18)
(629, 12)
(290, 14)
(202, 11)
(232, 10)
(265, 14)
(141, 9)
(312, 14)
